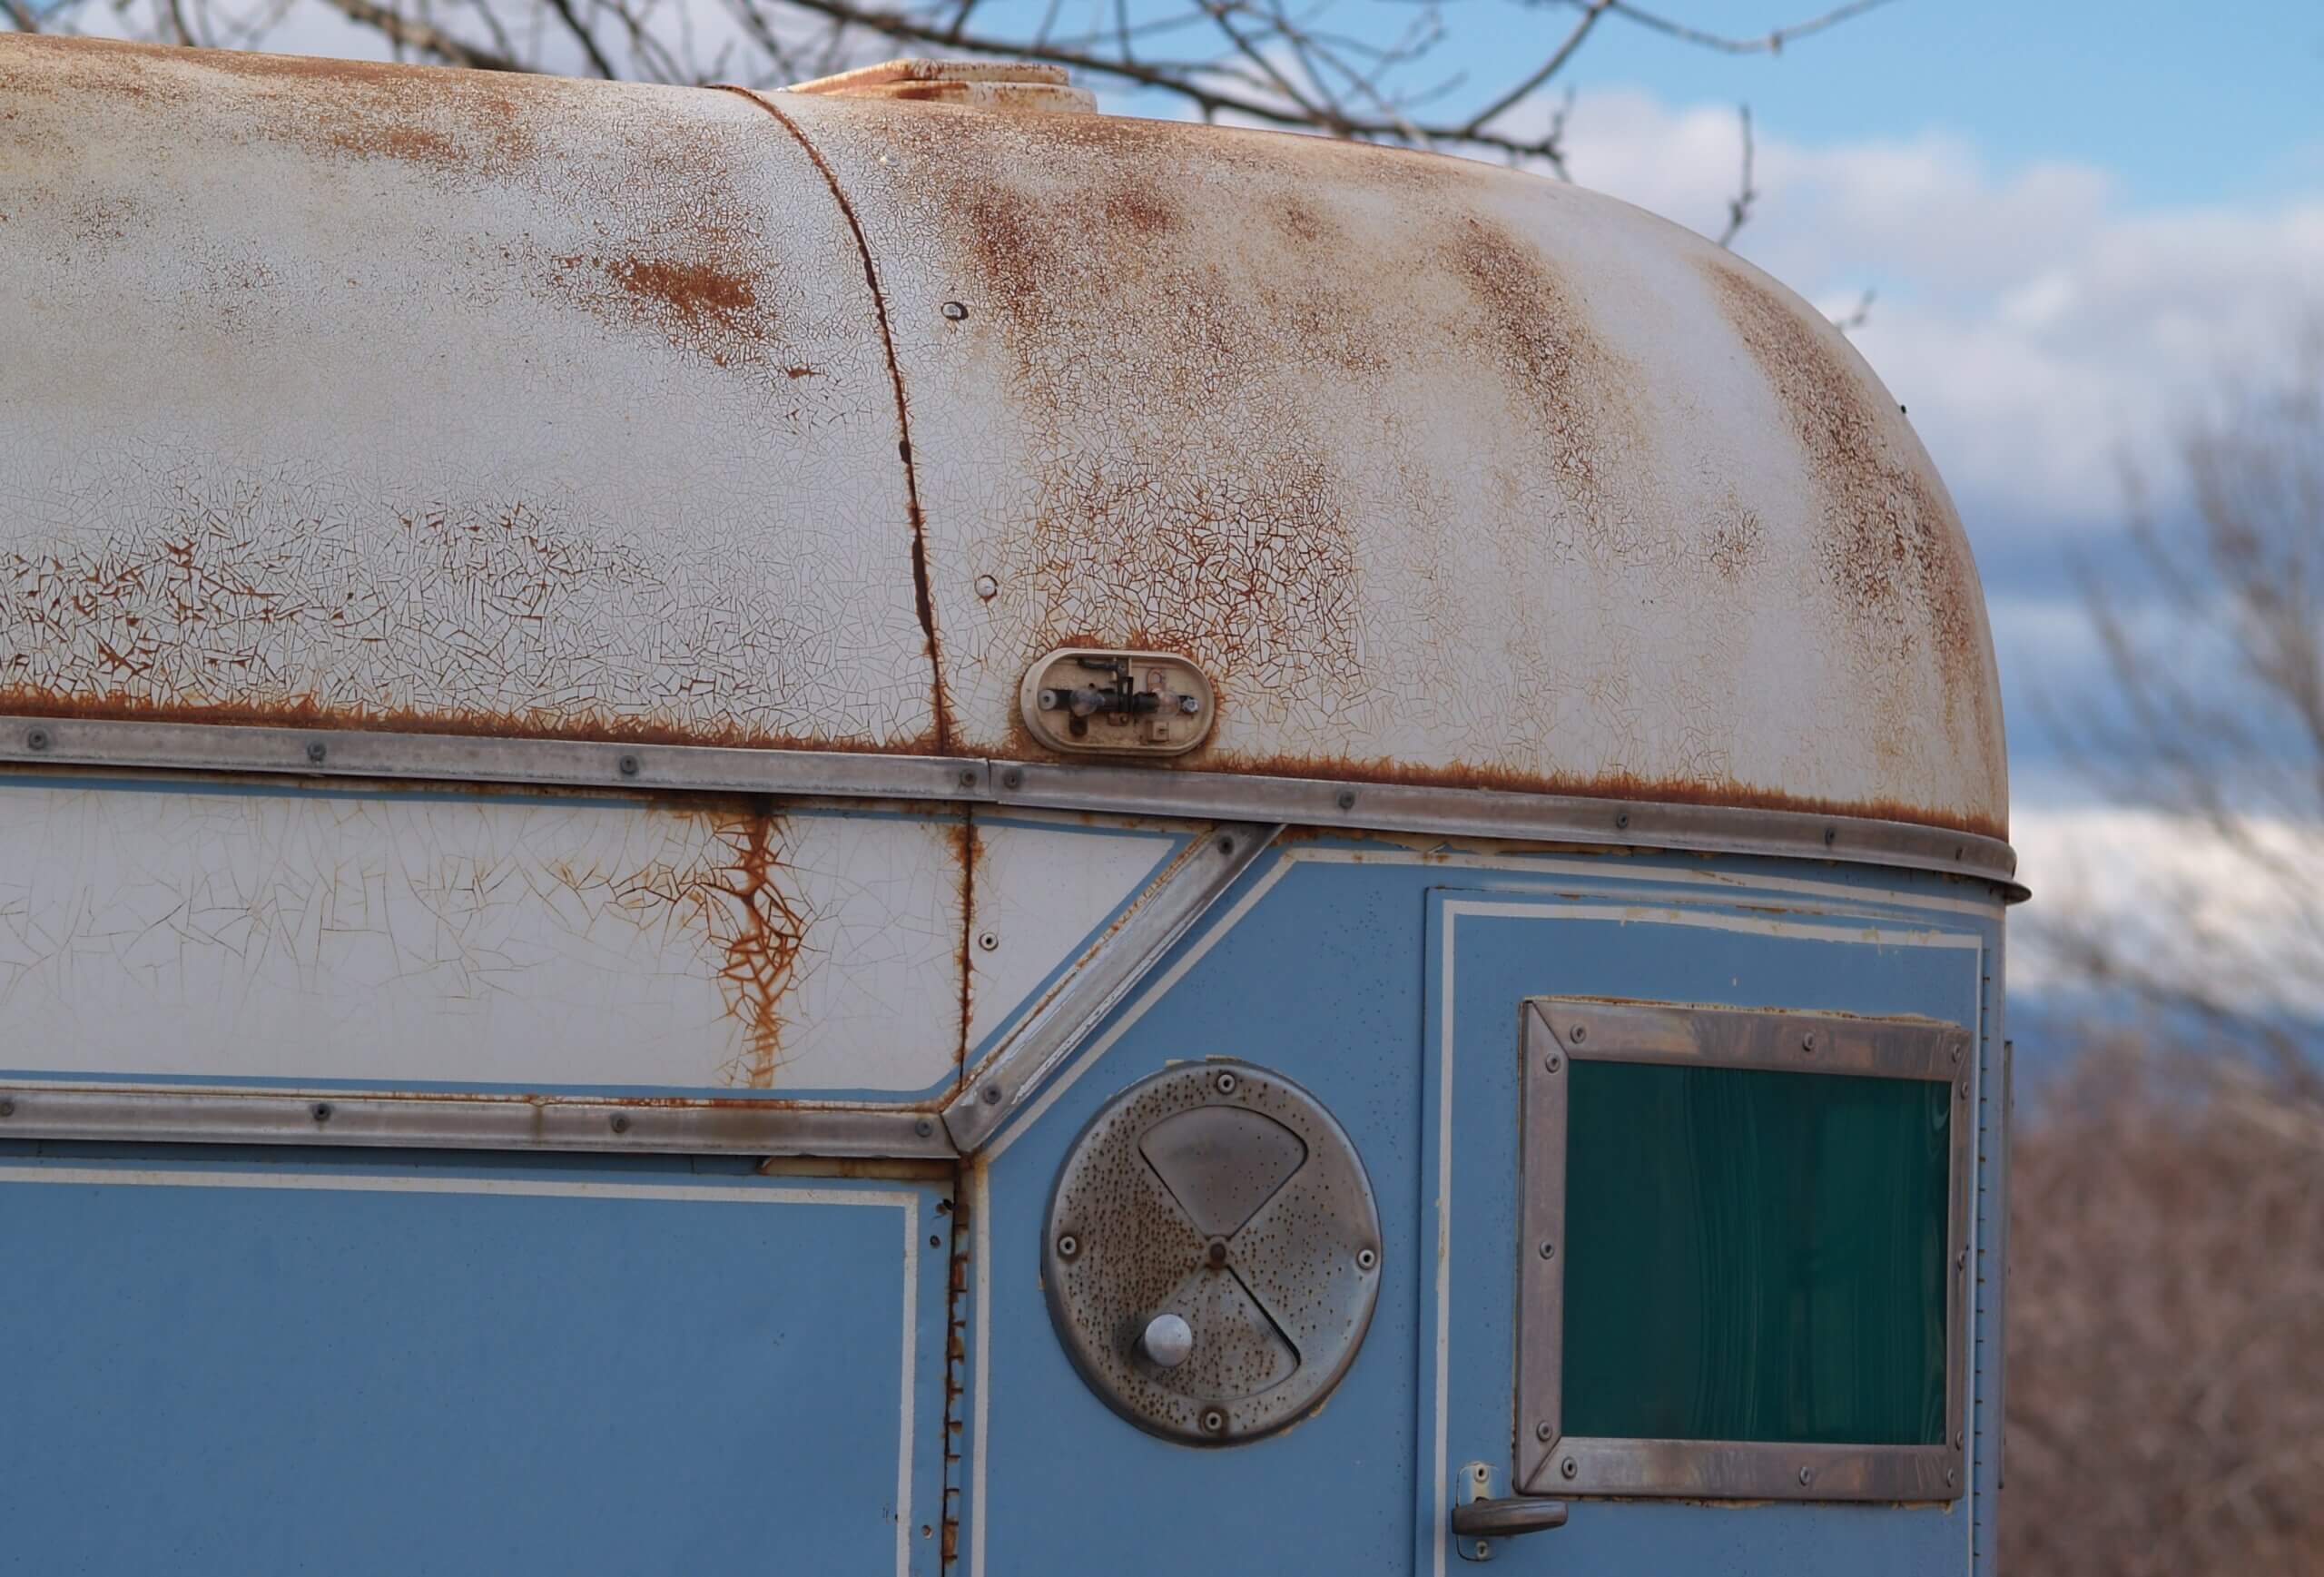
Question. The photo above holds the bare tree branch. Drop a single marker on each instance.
(20, 15)
(1771, 42)
(1738, 207)
(425, 37)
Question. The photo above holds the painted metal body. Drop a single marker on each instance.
(515, 599)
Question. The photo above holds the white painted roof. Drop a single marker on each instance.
(425, 398)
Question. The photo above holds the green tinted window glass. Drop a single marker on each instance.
(1754, 1256)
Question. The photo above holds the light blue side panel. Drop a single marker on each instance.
(1320, 980)
(315, 1363)
(1486, 952)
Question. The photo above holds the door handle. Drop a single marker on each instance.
(1506, 1518)
(1479, 1518)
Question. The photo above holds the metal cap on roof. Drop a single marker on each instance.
(985, 85)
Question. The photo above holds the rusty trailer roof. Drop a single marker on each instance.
(396, 398)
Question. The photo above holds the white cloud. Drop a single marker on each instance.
(2037, 326)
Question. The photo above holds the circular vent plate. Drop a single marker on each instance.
(1218, 1202)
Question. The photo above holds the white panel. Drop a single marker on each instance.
(539, 942)
(1039, 892)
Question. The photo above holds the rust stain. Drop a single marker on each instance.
(1891, 546)
(956, 1353)
(1712, 792)
(756, 926)
(923, 597)
(693, 304)
(968, 851)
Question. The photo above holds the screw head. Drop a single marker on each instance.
(1543, 1432)
(1622, 822)
(1014, 778)
(1948, 1478)
(955, 311)
(1481, 1472)
(1552, 1062)
(620, 1123)
(1549, 1249)
(923, 1128)
(1578, 1035)
(1806, 1476)
(1068, 1246)
(987, 941)
(1831, 836)
(322, 1111)
(988, 588)
(1347, 799)
(1365, 1259)
(1569, 1468)
(1226, 1082)
(628, 765)
(1213, 1422)
(968, 777)
(1483, 1549)
(1807, 1044)
(36, 739)
(316, 750)
(991, 1096)
(1226, 845)
(7, 1109)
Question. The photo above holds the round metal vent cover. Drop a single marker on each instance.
(1212, 1253)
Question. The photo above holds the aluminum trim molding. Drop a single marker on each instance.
(124, 743)
(1097, 984)
(465, 1122)
(1555, 1033)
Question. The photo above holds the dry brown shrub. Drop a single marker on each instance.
(2166, 1326)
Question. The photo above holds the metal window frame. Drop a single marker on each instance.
(1555, 1031)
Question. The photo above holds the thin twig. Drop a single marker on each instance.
(1771, 42)
(1738, 207)
(424, 37)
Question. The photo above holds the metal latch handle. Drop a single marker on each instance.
(1506, 1518)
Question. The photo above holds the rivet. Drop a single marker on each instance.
(1226, 845)
(1957, 1440)
(1365, 1260)
(1481, 1473)
(1807, 1043)
(36, 739)
(1569, 1468)
(1948, 1478)
(988, 588)
(628, 765)
(1831, 836)
(1483, 1549)
(1956, 1053)
(1544, 1431)
(1068, 1246)
(1549, 1250)
(968, 777)
(316, 750)
(1347, 799)
(987, 941)
(1806, 1476)
(1622, 821)
(1226, 1083)
(1012, 779)
(621, 1122)
(1213, 1422)
(1553, 1062)
(923, 1128)
(322, 1111)
(7, 1109)
(1579, 1035)
(956, 311)
(991, 1096)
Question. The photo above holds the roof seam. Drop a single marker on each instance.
(923, 595)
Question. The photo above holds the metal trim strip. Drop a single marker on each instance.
(466, 1123)
(221, 747)
(1102, 977)
(1558, 1030)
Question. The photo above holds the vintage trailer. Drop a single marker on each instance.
(892, 827)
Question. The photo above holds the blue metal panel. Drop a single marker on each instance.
(1488, 951)
(301, 1363)
(1317, 979)
(1326, 964)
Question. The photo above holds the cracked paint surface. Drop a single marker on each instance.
(537, 943)
(432, 399)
